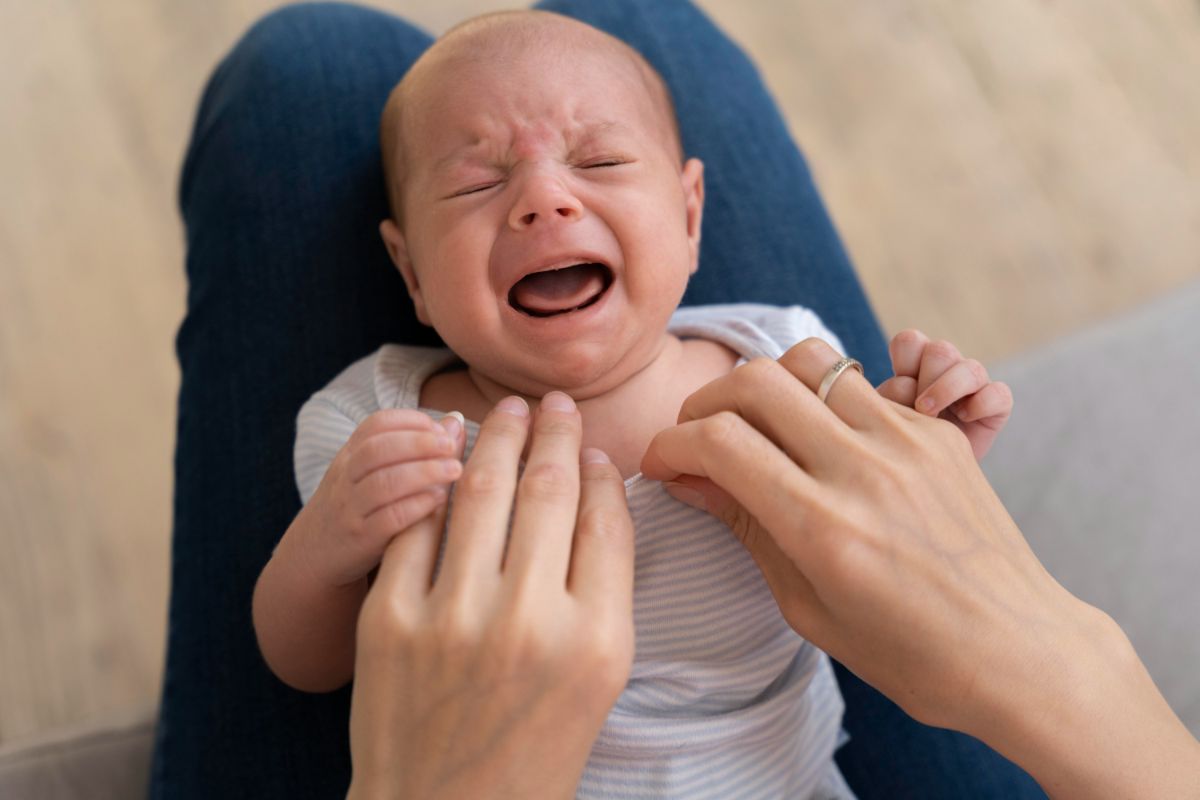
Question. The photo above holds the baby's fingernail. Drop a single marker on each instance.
(926, 404)
(513, 405)
(558, 401)
(453, 423)
(593, 455)
(685, 494)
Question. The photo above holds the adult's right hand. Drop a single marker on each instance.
(885, 546)
(493, 678)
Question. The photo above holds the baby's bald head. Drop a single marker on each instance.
(500, 41)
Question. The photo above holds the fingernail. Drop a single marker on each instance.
(453, 423)
(558, 401)
(593, 455)
(926, 404)
(513, 405)
(685, 494)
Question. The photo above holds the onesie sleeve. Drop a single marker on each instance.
(794, 324)
(322, 428)
(329, 417)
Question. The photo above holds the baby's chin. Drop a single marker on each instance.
(586, 373)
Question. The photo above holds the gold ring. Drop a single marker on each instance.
(834, 373)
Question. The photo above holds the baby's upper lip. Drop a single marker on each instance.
(556, 260)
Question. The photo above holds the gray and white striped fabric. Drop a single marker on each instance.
(725, 700)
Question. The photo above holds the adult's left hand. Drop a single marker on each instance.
(493, 678)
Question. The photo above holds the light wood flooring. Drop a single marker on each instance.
(1003, 172)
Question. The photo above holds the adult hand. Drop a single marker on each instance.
(494, 678)
(885, 546)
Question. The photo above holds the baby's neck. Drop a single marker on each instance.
(622, 420)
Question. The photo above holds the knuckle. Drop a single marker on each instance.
(909, 337)
(384, 622)
(751, 376)
(547, 479)
(942, 349)
(399, 515)
(481, 480)
(810, 351)
(557, 425)
(506, 425)
(717, 431)
(977, 370)
(606, 656)
(604, 523)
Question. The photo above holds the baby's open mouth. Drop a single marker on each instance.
(560, 291)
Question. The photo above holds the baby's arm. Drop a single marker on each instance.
(934, 379)
(393, 471)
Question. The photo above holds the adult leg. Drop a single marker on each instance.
(768, 238)
(288, 282)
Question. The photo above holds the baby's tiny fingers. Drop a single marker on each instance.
(900, 389)
(390, 484)
(396, 447)
(388, 521)
(905, 349)
(993, 403)
(964, 378)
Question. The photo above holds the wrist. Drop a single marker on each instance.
(1086, 720)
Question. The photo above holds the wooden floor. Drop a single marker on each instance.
(1002, 173)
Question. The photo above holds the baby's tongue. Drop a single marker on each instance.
(559, 289)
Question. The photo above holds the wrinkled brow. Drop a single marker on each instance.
(575, 136)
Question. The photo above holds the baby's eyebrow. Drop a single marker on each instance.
(576, 137)
(594, 130)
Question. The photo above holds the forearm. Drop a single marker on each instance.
(1092, 724)
(305, 624)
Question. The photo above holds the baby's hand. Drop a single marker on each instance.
(393, 471)
(934, 379)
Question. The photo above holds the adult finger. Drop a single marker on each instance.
(961, 379)
(768, 396)
(547, 495)
(905, 349)
(483, 497)
(851, 397)
(938, 357)
(793, 592)
(601, 573)
(733, 454)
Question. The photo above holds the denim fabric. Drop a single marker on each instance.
(288, 282)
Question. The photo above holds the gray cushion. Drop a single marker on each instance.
(1100, 467)
(108, 760)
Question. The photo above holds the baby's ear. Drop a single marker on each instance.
(397, 248)
(692, 179)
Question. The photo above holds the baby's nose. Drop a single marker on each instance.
(544, 198)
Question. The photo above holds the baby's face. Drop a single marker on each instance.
(559, 166)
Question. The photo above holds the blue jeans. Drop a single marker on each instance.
(288, 282)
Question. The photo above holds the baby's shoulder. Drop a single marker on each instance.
(751, 329)
(390, 377)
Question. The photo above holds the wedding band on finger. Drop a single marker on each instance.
(834, 373)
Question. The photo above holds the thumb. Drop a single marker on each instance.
(795, 595)
(705, 495)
